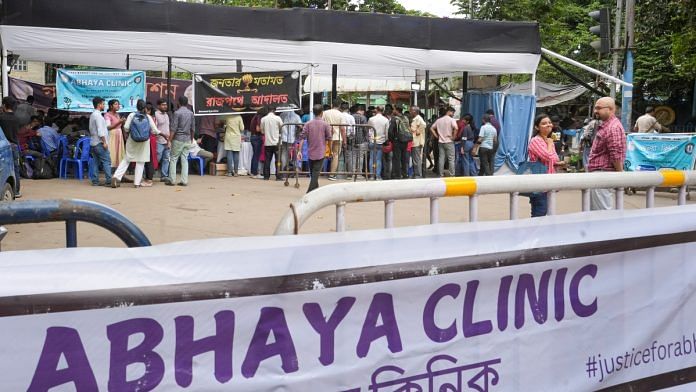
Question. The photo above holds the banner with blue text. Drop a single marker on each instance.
(76, 88)
(651, 151)
(610, 303)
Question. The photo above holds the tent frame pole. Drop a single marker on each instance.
(311, 91)
(427, 118)
(531, 123)
(169, 83)
(334, 82)
(5, 78)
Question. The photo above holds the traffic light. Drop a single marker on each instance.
(603, 30)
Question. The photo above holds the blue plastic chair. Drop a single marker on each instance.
(27, 158)
(81, 158)
(201, 163)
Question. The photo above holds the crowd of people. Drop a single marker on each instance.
(384, 143)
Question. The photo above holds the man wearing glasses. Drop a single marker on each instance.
(608, 151)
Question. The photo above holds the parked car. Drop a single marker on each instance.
(7, 173)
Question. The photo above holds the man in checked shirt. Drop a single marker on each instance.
(608, 151)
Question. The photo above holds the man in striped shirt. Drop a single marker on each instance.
(608, 151)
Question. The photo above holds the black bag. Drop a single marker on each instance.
(403, 131)
(43, 169)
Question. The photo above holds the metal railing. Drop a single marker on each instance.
(434, 189)
(71, 212)
(353, 173)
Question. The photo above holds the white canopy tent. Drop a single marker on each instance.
(158, 34)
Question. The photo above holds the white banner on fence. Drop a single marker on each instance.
(572, 303)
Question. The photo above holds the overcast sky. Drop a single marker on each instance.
(435, 7)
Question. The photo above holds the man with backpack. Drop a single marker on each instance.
(358, 143)
(418, 131)
(400, 130)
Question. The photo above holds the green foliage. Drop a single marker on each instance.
(563, 26)
(383, 6)
(665, 38)
(665, 41)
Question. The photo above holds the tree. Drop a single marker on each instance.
(382, 6)
(563, 26)
(665, 40)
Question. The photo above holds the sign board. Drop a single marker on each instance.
(245, 92)
(651, 151)
(488, 306)
(76, 88)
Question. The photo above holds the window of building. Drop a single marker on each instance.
(20, 65)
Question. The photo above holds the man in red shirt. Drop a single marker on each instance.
(608, 151)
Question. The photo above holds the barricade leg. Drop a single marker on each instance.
(434, 210)
(473, 208)
(514, 202)
(618, 198)
(388, 214)
(650, 197)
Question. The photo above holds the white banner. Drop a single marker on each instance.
(574, 303)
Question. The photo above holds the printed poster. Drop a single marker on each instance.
(246, 92)
(77, 88)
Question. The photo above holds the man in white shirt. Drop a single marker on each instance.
(270, 127)
(99, 144)
(335, 118)
(418, 130)
(647, 122)
(379, 125)
(349, 153)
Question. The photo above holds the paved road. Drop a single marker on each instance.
(212, 207)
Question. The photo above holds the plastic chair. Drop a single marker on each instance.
(27, 158)
(44, 149)
(63, 151)
(201, 162)
(81, 157)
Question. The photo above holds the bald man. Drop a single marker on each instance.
(608, 151)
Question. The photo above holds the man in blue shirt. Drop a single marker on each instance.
(488, 137)
(49, 137)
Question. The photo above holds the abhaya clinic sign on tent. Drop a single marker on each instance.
(246, 92)
(77, 88)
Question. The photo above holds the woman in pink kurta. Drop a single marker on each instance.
(541, 149)
(114, 123)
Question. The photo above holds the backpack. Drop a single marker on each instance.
(403, 131)
(42, 169)
(140, 128)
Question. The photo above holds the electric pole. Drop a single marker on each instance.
(615, 48)
(627, 92)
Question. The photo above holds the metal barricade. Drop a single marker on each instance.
(293, 154)
(473, 187)
(71, 212)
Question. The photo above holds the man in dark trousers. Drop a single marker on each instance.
(400, 134)
(317, 133)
